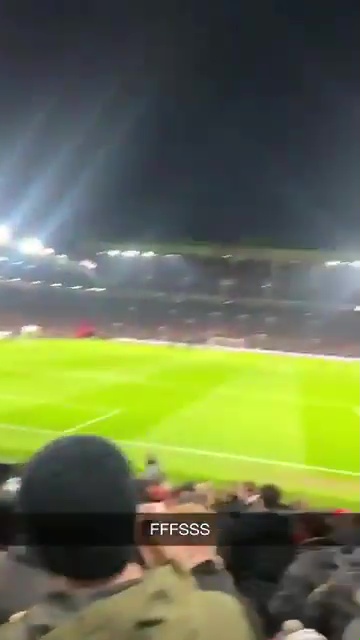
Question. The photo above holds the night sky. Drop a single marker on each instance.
(220, 120)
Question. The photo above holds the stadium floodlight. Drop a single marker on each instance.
(31, 246)
(130, 254)
(56, 284)
(148, 254)
(88, 264)
(5, 234)
(332, 263)
(113, 252)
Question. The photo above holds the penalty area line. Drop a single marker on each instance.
(233, 456)
(88, 423)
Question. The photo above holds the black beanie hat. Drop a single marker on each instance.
(77, 504)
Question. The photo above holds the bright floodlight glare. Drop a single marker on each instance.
(148, 254)
(130, 254)
(5, 234)
(88, 264)
(356, 264)
(31, 246)
(332, 263)
(113, 252)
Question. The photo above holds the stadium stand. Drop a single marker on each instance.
(272, 569)
(296, 301)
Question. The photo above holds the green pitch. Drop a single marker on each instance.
(206, 414)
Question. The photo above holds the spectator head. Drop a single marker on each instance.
(248, 492)
(73, 480)
(271, 496)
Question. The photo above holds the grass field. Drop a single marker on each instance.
(207, 414)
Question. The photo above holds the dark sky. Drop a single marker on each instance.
(221, 120)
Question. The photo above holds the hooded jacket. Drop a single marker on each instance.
(165, 605)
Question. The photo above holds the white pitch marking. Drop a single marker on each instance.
(20, 427)
(189, 450)
(88, 423)
(233, 456)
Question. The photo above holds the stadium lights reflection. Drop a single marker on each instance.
(88, 264)
(5, 234)
(31, 246)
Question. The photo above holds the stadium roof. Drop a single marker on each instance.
(238, 252)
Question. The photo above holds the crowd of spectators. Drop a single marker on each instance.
(82, 564)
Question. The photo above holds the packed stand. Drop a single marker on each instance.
(292, 306)
(81, 560)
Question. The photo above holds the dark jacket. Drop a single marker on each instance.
(312, 567)
(335, 604)
(22, 583)
(209, 577)
(257, 548)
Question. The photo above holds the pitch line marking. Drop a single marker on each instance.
(186, 450)
(88, 423)
(20, 427)
(234, 456)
